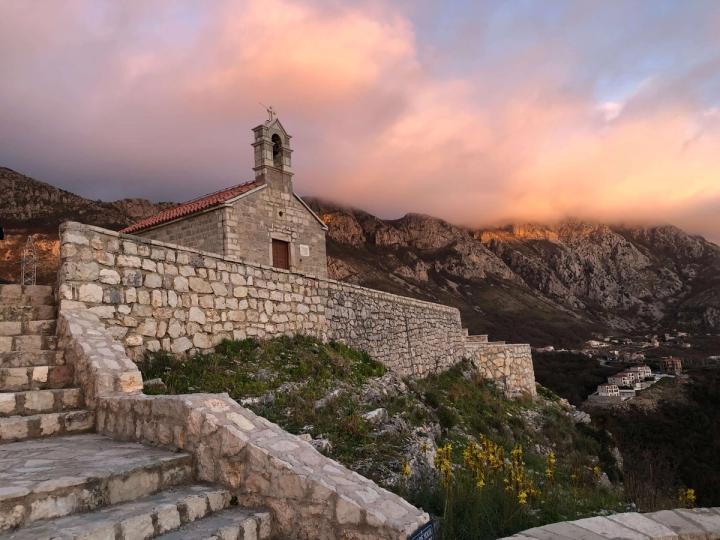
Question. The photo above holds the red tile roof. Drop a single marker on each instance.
(191, 207)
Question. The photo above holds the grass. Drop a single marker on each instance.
(324, 389)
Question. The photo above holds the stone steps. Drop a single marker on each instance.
(17, 328)
(18, 359)
(231, 524)
(39, 401)
(26, 313)
(21, 428)
(27, 295)
(28, 342)
(146, 517)
(19, 379)
(56, 477)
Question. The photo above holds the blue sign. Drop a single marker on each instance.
(426, 532)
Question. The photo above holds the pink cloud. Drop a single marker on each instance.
(143, 98)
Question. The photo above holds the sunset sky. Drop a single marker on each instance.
(477, 112)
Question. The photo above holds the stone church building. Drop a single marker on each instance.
(260, 222)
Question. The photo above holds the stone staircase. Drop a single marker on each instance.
(37, 397)
(60, 482)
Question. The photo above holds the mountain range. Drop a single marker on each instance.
(545, 284)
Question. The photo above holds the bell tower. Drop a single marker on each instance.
(273, 153)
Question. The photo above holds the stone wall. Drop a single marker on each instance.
(202, 231)
(152, 296)
(275, 212)
(510, 366)
(311, 496)
(410, 336)
(681, 524)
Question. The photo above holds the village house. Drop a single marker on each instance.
(608, 390)
(672, 365)
(622, 379)
(259, 222)
(640, 372)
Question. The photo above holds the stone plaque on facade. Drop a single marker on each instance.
(304, 250)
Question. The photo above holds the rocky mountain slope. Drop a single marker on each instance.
(546, 284)
(28, 206)
(543, 283)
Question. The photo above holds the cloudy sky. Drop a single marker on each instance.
(477, 112)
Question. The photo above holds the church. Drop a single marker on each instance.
(259, 222)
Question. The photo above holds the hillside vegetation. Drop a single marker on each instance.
(673, 445)
(451, 443)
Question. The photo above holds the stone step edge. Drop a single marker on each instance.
(38, 426)
(33, 327)
(146, 517)
(24, 313)
(29, 343)
(65, 496)
(675, 524)
(44, 377)
(10, 288)
(29, 359)
(32, 402)
(237, 523)
(27, 300)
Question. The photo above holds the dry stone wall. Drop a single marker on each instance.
(152, 296)
(509, 365)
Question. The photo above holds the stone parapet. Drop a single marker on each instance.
(310, 495)
(101, 367)
(664, 525)
(509, 365)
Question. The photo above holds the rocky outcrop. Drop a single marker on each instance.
(28, 204)
(574, 274)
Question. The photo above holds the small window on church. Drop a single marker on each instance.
(281, 254)
(277, 150)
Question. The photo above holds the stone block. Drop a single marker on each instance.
(181, 284)
(181, 345)
(153, 281)
(643, 525)
(686, 529)
(197, 315)
(90, 292)
(199, 285)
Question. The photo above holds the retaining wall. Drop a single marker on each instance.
(509, 365)
(152, 295)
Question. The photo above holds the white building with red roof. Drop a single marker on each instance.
(261, 222)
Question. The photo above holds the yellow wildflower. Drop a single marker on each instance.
(443, 463)
(686, 497)
(550, 466)
(406, 471)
